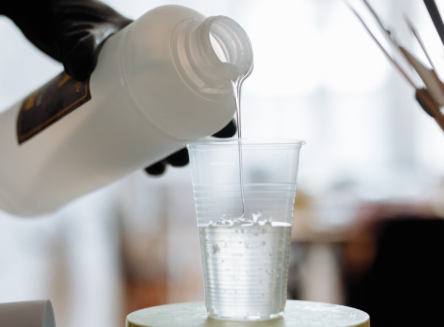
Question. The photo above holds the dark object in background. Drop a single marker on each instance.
(298, 256)
(404, 285)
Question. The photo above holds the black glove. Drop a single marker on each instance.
(70, 31)
(181, 158)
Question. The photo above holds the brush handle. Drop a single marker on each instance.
(436, 17)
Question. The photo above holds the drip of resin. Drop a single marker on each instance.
(237, 87)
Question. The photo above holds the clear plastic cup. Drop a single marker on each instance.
(245, 259)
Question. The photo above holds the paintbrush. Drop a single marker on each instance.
(431, 97)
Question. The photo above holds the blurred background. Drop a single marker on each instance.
(372, 157)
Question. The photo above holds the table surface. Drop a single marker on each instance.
(297, 314)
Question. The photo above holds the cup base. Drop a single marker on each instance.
(248, 318)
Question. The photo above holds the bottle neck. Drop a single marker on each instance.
(211, 53)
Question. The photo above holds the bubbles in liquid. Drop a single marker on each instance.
(256, 216)
(243, 270)
(222, 221)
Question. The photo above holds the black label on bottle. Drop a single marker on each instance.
(53, 101)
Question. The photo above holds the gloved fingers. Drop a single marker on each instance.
(80, 61)
(83, 26)
(156, 169)
(179, 158)
(228, 131)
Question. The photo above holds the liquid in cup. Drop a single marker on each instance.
(245, 271)
(245, 258)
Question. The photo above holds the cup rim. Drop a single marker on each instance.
(245, 141)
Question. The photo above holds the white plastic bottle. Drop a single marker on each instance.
(160, 82)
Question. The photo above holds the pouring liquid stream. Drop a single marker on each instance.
(237, 87)
(245, 260)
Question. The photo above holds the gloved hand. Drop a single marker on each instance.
(181, 158)
(72, 32)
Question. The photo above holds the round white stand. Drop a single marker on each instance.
(297, 314)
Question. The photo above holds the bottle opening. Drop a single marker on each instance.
(229, 45)
(218, 48)
(209, 54)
